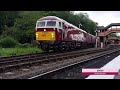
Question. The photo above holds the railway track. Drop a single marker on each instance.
(53, 72)
(29, 60)
(38, 60)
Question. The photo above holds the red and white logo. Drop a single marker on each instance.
(78, 37)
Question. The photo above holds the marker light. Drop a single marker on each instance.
(36, 35)
(44, 29)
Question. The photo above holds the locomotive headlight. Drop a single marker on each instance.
(37, 35)
(52, 35)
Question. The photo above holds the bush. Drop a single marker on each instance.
(26, 45)
(8, 42)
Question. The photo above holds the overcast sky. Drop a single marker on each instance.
(103, 18)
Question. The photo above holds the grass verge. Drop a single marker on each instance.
(18, 51)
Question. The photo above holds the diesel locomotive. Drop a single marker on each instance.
(54, 33)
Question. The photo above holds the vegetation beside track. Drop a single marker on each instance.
(18, 51)
(20, 25)
(17, 29)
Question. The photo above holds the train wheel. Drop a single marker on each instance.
(45, 47)
(61, 48)
(56, 48)
(67, 47)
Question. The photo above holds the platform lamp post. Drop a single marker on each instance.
(80, 25)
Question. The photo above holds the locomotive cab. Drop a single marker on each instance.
(49, 33)
(45, 30)
(55, 33)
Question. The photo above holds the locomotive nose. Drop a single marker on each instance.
(45, 34)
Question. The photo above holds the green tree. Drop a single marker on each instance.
(7, 18)
(21, 24)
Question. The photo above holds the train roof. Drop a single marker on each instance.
(74, 26)
(91, 35)
(50, 18)
(57, 18)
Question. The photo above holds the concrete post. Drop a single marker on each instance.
(101, 45)
(96, 43)
(105, 41)
(96, 39)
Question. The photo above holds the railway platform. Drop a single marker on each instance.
(114, 64)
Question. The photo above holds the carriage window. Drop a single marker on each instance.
(59, 24)
(41, 24)
(51, 23)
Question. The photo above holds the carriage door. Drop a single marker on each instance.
(63, 33)
(61, 25)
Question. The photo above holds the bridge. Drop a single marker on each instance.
(103, 32)
(108, 31)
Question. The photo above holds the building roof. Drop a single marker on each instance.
(110, 25)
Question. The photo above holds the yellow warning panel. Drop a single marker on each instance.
(45, 35)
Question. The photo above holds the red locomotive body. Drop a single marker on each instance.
(55, 33)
